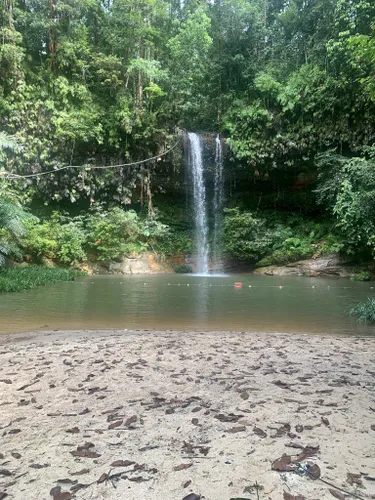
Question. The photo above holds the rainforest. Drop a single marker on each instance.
(96, 102)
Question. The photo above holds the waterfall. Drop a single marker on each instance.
(195, 160)
(218, 205)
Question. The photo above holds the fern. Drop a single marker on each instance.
(12, 229)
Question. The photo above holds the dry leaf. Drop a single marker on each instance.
(122, 463)
(73, 430)
(314, 471)
(57, 494)
(131, 420)
(234, 430)
(103, 478)
(182, 466)
(85, 446)
(289, 496)
(85, 454)
(354, 479)
(80, 472)
(115, 424)
(259, 432)
(283, 464)
(337, 494)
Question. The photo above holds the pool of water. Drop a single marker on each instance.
(295, 305)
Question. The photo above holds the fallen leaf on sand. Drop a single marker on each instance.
(85, 454)
(337, 494)
(234, 430)
(192, 496)
(3, 495)
(283, 464)
(182, 466)
(354, 479)
(131, 420)
(289, 496)
(73, 430)
(115, 424)
(228, 418)
(281, 431)
(67, 481)
(314, 471)
(57, 494)
(114, 410)
(281, 384)
(103, 478)
(79, 486)
(5, 472)
(86, 446)
(259, 432)
(122, 463)
(80, 472)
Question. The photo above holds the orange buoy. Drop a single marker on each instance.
(238, 284)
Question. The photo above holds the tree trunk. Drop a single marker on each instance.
(149, 194)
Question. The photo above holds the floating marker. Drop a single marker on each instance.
(238, 284)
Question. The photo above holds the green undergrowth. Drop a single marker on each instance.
(18, 279)
(277, 238)
(365, 311)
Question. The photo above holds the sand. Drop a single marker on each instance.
(164, 415)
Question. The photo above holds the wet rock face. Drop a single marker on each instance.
(333, 265)
(139, 264)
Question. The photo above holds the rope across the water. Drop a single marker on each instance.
(10, 175)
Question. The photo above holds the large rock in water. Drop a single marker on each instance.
(334, 265)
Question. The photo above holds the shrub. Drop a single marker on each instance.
(41, 239)
(362, 276)
(15, 280)
(364, 311)
(183, 269)
(12, 228)
(249, 237)
(113, 233)
(71, 244)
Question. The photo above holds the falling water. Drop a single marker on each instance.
(218, 206)
(199, 193)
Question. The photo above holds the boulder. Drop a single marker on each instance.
(334, 265)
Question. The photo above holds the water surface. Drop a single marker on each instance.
(188, 302)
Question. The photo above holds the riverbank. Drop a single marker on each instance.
(25, 278)
(164, 414)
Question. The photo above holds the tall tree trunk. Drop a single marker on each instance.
(149, 194)
(8, 5)
(52, 44)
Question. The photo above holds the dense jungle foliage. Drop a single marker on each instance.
(289, 83)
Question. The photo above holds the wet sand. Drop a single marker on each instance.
(164, 415)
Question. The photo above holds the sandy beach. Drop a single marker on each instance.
(172, 415)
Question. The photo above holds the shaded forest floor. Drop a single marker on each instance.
(155, 415)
